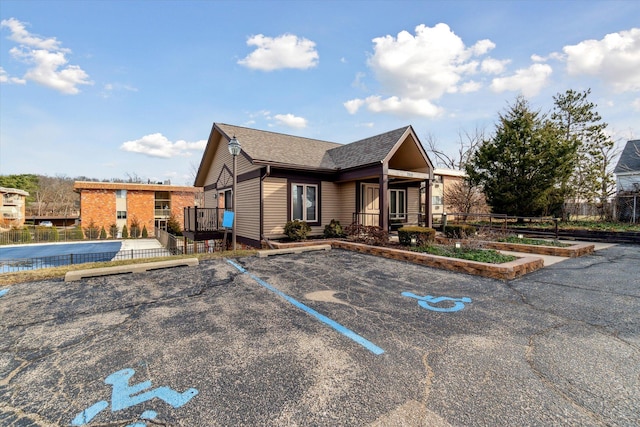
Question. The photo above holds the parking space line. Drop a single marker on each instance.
(321, 317)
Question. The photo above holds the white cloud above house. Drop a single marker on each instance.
(414, 70)
(46, 60)
(615, 59)
(284, 51)
(528, 81)
(158, 145)
(289, 120)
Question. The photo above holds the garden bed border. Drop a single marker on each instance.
(573, 251)
(505, 271)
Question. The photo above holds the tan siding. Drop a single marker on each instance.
(248, 199)
(274, 193)
(413, 205)
(223, 157)
(347, 203)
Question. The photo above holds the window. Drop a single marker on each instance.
(121, 194)
(304, 202)
(397, 204)
(436, 200)
(121, 214)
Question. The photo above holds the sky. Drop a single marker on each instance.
(118, 89)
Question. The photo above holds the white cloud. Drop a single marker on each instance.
(285, 51)
(157, 145)
(47, 58)
(110, 88)
(494, 66)
(415, 70)
(528, 81)
(615, 59)
(6, 78)
(291, 121)
(636, 104)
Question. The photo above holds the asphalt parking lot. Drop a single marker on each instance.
(327, 339)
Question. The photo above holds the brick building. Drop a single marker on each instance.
(151, 205)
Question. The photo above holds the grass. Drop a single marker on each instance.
(59, 272)
(528, 241)
(471, 254)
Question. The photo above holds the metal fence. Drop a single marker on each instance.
(41, 235)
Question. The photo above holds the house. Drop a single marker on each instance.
(627, 170)
(12, 207)
(106, 203)
(443, 180)
(374, 181)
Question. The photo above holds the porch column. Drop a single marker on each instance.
(428, 191)
(384, 200)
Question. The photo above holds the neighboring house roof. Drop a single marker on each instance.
(5, 190)
(449, 172)
(629, 161)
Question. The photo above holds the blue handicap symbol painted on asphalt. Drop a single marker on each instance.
(427, 302)
(124, 396)
(3, 291)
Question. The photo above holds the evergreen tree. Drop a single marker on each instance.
(520, 165)
(125, 232)
(592, 177)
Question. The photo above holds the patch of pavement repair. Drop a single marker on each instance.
(560, 346)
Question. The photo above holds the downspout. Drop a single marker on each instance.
(262, 178)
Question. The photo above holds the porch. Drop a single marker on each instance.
(203, 223)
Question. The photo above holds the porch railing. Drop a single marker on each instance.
(203, 219)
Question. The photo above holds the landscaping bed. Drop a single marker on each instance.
(505, 271)
(571, 251)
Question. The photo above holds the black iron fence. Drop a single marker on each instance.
(41, 235)
(203, 219)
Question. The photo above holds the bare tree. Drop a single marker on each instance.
(465, 198)
(468, 143)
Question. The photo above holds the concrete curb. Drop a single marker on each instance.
(292, 250)
(130, 268)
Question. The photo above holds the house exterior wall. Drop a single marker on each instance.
(347, 203)
(98, 206)
(413, 204)
(248, 200)
(274, 199)
(628, 182)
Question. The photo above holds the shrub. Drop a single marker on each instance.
(77, 233)
(134, 230)
(297, 230)
(423, 235)
(125, 232)
(103, 233)
(459, 231)
(173, 226)
(367, 234)
(333, 230)
(92, 230)
(145, 233)
(113, 231)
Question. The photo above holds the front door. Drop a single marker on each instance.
(370, 213)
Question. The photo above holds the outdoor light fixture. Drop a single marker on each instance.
(520, 236)
(414, 241)
(458, 245)
(234, 149)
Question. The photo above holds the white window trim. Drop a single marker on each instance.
(304, 198)
(403, 215)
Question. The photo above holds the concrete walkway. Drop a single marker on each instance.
(550, 259)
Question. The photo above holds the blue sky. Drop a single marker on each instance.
(110, 89)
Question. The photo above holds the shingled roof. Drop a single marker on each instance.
(271, 147)
(274, 147)
(630, 158)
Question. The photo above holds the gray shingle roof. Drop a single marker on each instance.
(280, 148)
(366, 151)
(298, 151)
(630, 158)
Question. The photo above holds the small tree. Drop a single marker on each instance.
(145, 233)
(173, 226)
(103, 233)
(135, 228)
(92, 230)
(113, 231)
(125, 232)
(77, 233)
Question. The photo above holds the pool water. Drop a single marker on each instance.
(51, 255)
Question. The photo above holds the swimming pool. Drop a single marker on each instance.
(29, 257)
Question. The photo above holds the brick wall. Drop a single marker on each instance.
(140, 206)
(179, 201)
(98, 206)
